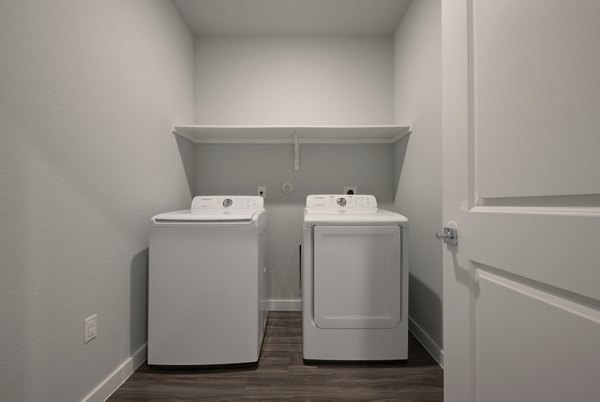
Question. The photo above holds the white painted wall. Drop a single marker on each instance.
(88, 92)
(287, 80)
(417, 101)
(312, 79)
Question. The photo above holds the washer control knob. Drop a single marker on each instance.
(341, 202)
(227, 202)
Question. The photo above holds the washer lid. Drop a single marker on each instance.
(215, 209)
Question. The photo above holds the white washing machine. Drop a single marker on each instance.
(355, 280)
(206, 284)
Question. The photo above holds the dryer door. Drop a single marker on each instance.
(357, 276)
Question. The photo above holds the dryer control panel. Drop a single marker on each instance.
(227, 202)
(338, 201)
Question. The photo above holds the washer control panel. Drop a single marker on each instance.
(227, 202)
(337, 201)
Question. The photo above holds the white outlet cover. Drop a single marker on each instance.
(90, 328)
(348, 188)
(262, 191)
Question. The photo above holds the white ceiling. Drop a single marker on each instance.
(292, 17)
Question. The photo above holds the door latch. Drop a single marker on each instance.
(449, 236)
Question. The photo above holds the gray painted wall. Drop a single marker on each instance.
(417, 101)
(324, 169)
(88, 93)
(294, 80)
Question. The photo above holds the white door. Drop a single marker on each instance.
(521, 160)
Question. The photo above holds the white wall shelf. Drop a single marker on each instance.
(380, 134)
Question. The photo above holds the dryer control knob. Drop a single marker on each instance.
(341, 202)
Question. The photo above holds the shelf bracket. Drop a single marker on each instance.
(296, 152)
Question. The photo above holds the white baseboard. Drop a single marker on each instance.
(285, 305)
(117, 377)
(428, 343)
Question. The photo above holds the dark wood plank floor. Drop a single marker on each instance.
(281, 375)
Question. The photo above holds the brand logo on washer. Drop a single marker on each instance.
(341, 202)
(227, 202)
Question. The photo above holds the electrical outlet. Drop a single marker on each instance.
(262, 191)
(90, 328)
(350, 190)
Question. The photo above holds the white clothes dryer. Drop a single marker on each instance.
(206, 284)
(355, 280)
